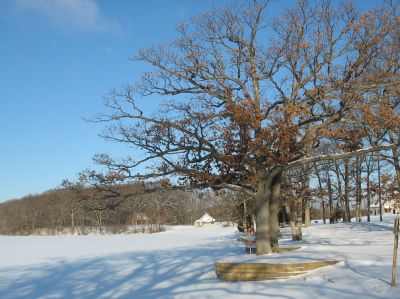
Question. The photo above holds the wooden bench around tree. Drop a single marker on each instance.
(265, 271)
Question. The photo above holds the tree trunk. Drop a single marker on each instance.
(263, 240)
(294, 224)
(330, 197)
(299, 224)
(267, 226)
(321, 194)
(274, 211)
(72, 215)
(396, 160)
(342, 202)
(34, 221)
(307, 216)
(346, 190)
(379, 192)
(368, 190)
(358, 189)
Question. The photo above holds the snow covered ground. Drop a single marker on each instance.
(179, 263)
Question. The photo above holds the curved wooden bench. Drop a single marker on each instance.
(265, 271)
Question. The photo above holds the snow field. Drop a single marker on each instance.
(179, 263)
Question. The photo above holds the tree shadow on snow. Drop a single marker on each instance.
(184, 273)
(373, 226)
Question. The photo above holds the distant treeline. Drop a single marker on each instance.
(335, 191)
(64, 210)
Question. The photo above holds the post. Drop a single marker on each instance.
(396, 245)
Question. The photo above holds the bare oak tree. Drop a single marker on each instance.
(247, 98)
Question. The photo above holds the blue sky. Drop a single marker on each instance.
(57, 60)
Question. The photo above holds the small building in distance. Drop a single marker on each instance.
(389, 207)
(374, 208)
(139, 219)
(205, 219)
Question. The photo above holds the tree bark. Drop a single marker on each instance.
(299, 224)
(330, 197)
(320, 193)
(268, 190)
(72, 216)
(294, 224)
(342, 201)
(346, 189)
(369, 190)
(358, 189)
(263, 240)
(274, 210)
(307, 216)
(396, 160)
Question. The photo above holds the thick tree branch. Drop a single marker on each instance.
(333, 157)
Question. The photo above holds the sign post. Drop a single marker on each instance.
(396, 245)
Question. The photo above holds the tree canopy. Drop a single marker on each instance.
(249, 96)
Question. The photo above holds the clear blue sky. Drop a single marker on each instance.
(57, 59)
